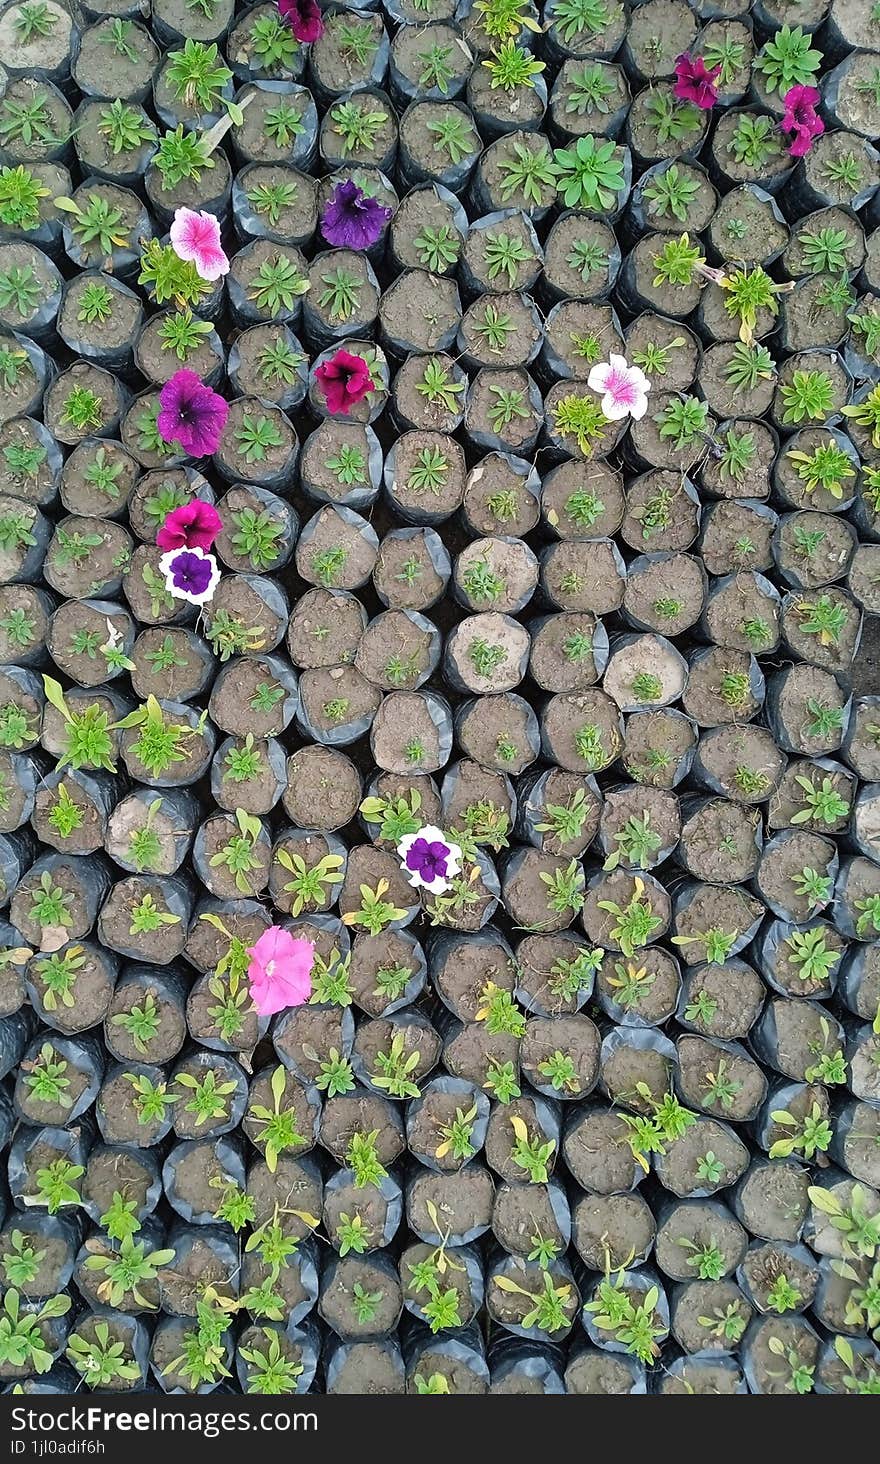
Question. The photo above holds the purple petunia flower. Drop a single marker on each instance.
(191, 414)
(429, 859)
(190, 574)
(352, 220)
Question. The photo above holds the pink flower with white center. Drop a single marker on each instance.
(195, 237)
(624, 389)
(280, 971)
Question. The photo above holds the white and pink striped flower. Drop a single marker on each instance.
(195, 237)
(624, 389)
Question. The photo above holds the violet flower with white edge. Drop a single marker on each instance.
(429, 859)
(624, 389)
(190, 574)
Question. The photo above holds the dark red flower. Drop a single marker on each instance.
(304, 18)
(801, 119)
(345, 380)
(693, 83)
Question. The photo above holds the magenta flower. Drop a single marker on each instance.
(195, 237)
(429, 859)
(624, 389)
(304, 19)
(801, 119)
(191, 414)
(280, 971)
(190, 574)
(194, 525)
(345, 380)
(693, 83)
(352, 220)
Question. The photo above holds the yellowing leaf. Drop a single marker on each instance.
(504, 1284)
(311, 1220)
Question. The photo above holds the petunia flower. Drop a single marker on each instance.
(304, 18)
(624, 389)
(800, 118)
(351, 219)
(195, 237)
(429, 859)
(190, 574)
(194, 525)
(345, 380)
(694, 83)
(191, 414)
(280, 971)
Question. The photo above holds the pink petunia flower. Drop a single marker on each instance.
(304, 18)
(194, 525)
(280, 971)
(195, 237)
(800, 118)
(191, 414)
(624, 389)
(345, 380)
(694, 83)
